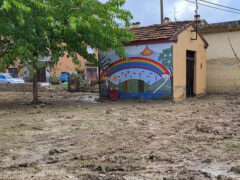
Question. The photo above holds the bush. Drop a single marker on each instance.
(54, 80)
(73, 83)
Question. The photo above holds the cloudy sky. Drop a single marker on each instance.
(148, 11)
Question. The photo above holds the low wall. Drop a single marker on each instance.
(26, 87)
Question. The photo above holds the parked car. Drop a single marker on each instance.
(64, 76)
(7, 78)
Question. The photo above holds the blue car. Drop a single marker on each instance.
(64, 76)
(7, 78)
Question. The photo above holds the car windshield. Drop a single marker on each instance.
(8, 76)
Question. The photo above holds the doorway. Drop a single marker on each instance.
(13, 72)
(190, 73)
(140, 86)
(91, 74)
(125, 86)
(41, 75)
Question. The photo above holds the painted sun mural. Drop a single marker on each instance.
(145, 74)
(147, 52)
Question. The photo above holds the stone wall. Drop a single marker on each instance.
(26, 87)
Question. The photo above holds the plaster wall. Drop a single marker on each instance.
(179, 64)
(66, 64)
(223, 69)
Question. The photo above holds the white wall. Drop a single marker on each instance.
(223, 69)
(219, 46)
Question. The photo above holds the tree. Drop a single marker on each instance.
(166, 58)
(102, 62)
(33, 29)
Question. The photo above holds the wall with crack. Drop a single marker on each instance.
(223, 69)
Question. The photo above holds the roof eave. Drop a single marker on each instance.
(151, 41)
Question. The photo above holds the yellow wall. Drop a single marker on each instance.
(223, 69)
(66, 64)
(179, 64)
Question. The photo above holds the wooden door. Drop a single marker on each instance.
(190, 73)
(140, 86)
(92, 74)
(13, 72)
(41, 75)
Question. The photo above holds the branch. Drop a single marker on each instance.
(235, 54)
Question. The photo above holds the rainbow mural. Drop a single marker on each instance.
(145, 74)
(134, 62)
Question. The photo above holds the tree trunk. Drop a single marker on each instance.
(35, 89)
(99, 83)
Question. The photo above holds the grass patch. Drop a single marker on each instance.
(85, 163)
(21, 127)
(231, 146)
(113, 125)
(60, 85)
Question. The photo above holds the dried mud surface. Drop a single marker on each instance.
(72, 136)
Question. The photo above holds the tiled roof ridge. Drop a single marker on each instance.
(159, 31)
(162, 25)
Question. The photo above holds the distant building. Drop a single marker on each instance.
(165, 61)
(223, 68)
(64, 64)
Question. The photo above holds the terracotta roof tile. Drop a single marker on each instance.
(158, 31)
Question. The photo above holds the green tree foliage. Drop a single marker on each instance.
(33, 29)
(166, 58)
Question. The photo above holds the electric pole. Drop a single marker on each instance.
(196, 11)
(161, 4)
(175, 18)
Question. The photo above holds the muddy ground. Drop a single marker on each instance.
(71, 136)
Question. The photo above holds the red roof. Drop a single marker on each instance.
(159, 31)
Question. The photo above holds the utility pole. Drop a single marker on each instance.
(175, 18)
(161, 4)
(196, 11)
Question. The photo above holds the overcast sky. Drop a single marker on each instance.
(148, 11)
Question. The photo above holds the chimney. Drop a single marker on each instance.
(136, 25)
(197, 18)
(166, 20)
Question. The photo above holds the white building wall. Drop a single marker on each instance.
(223, 69)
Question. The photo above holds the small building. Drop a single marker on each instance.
(223, 68)
(66, 64)
(165, 61)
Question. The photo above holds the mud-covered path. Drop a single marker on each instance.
(70, 136)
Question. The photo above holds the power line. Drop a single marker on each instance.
(213, 7)
(220, 5)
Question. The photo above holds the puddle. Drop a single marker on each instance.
(86, 99)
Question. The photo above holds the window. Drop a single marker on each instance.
(13, 72)
(90, 50)
(8, 76)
